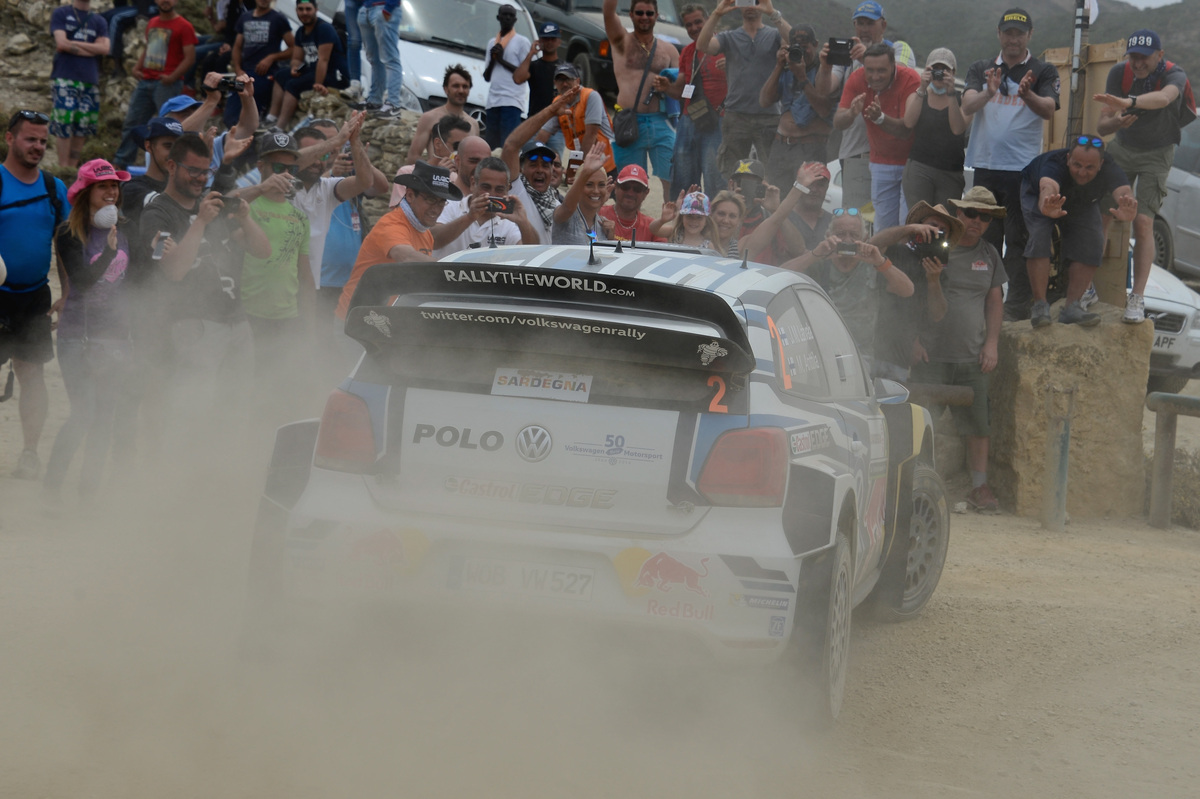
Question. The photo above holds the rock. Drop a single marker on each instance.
(20, 44)
(1107, 366)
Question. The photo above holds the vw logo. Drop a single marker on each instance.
(534, 443)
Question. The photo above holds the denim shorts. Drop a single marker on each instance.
(656, 137)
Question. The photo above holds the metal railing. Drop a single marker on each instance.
(1167, 410)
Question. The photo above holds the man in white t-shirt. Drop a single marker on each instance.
(478, 221)
(318, 195)
(507, 100)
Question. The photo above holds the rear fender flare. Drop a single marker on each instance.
(813, 507)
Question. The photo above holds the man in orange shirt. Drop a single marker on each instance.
(403, 233)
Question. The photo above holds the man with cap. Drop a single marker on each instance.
(962, 348)
(584, 121)
(457, 86)
(870, 27)
(1146, 103)
(750, 56)
(1010, 96)
(535, 163)
(196, 116)
(539, 74)
(638, 56)
(632, 188)
(278, 292)
(507, 101)
(749, 182)
(1064, 188)
(807, 117)
(856, 276)
(702, 88)
(156, 138)
(170, 52)
(476, 220)
(403, 234)
(32, 205)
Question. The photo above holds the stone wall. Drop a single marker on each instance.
(1108, 366)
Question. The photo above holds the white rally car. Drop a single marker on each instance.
(1175, 310)
(656, 437)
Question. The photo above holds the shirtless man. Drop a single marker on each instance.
(656, 137)
(457, 85)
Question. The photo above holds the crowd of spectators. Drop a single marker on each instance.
(214, 282)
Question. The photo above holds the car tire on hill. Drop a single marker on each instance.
(1164, 245)
(1167, 384)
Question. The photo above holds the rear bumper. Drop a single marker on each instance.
(730, 582)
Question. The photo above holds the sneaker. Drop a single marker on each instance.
(1135, 310)
(28, 465)
(1039, 315)
(353, 91)
(1089, 298)
(386, 111)
(1073, 314)
(983, 500)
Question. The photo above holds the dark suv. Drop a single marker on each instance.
(584, 42)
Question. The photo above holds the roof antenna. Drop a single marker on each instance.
(618, 249)
(745, 259)
(592, 259)
(633, 238)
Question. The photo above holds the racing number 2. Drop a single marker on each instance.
(714, 405)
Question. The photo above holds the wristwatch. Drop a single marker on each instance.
(774, 16)
(1133, 101)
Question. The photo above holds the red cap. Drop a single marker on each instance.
(634, 173)
(823, 171)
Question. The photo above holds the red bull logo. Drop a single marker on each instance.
(664, 572)
(679, 610)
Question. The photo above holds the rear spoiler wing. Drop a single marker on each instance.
(447, 304)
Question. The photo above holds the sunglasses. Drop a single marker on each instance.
(971, 213)
(197, 171)
(28, 116)
(645, 13)
(278, 169)
(1089, 141)
(846, 211)
(542, 157)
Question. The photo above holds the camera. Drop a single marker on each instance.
(231, 206)
(499, 205)
(939, 73)
(839, 52)
(846, 248)
(796, 53)
(230, 83)
(745, 3)
(938, 247)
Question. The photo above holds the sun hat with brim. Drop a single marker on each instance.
(429, 179)
(923, 210)
(980, 199)
(95, 171)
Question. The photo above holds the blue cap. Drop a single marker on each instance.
(159, 126)
(869, 9)
(1144, 42)
(549, 30)
(176, 104)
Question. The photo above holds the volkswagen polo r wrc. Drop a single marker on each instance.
(645, 436)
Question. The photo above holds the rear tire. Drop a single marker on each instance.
(927, 544)
(583, 64)
(822, 633)
(1164, 245)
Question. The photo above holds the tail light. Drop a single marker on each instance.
(603, 49)
(747, 469)
(345, 441)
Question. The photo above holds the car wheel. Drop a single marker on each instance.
(1168, 384)
(822, 633)
(1164, 245)
(583, 63)
(928, 543)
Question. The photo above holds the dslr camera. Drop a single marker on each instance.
(846, 248)
(938, 247)
(796, 53)
(939, 73)
(230, 83)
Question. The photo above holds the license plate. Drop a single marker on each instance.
(525, 578)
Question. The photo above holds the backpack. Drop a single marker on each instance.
(51, 193)
(1187, 109)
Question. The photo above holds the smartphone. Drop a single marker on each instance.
(160, 244)
(574, 161)
(745, 3)
(499, 205)
(847, 248)
(839, 52)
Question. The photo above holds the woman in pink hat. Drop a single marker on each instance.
(94, 348)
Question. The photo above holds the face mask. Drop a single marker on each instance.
(938, 90)
(106, 217)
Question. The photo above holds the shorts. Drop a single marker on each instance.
(1147, 172)
(656, 137)
(25, 326)
(969, 420)
(76, 108)
(1081, 231)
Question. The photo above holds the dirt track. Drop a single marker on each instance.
(1046, 665)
